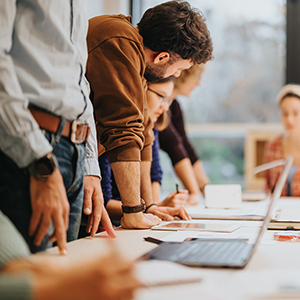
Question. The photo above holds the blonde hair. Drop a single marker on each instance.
(193, 71)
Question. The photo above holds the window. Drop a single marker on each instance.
(241, 83)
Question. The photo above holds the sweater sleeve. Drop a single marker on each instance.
(15, 288)
(114, 70)
(146, 154)
(156, 171)
(171, 142)
(12, 246)
(106, 181)
(178, 122)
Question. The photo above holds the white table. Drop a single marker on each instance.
(273, 269)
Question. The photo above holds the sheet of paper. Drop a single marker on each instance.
(158, 273)
(289, 214)
(248, 209)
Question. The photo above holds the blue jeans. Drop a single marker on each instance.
(15, 196)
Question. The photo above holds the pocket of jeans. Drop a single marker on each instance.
(65, 153)
(78, 164)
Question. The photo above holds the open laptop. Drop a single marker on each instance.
(233, 253)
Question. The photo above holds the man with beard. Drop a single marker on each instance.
(169, 38)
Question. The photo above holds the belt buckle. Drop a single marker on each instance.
(73, 133)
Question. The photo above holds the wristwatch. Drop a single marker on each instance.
(43, 167)
(134, 209)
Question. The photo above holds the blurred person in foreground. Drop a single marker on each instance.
(278, 147)
(169, 38)
(174, 140)
(23, 277)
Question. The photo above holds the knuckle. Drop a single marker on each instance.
(66, 207)
(97, 217)
(44, 226)
(60, 231)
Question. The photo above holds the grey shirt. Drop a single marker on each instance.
(43, 57)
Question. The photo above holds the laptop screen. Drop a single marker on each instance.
(276, 194)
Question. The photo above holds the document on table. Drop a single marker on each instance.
(250, 211)
(158, 273)
(249, 233)
(226, 214)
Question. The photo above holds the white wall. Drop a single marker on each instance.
(108, 7)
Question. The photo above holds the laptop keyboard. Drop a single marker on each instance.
(206, 253)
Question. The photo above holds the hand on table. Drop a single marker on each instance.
(49, 203)
(168, 213)
(175, 199)
(93, 206)
(139, 221)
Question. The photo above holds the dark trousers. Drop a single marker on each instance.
(15, 196)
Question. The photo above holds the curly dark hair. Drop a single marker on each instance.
(177, 28)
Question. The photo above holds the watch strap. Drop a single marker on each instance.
(134, 209)
(50, 163)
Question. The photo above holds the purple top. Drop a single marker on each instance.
(174, 140)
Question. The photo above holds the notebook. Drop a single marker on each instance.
(219, 252)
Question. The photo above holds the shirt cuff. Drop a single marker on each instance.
(15, 288)
(23, 151)
(91, 167)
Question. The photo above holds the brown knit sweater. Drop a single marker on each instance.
(115, 69)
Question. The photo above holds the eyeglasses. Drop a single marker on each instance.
(163, 100)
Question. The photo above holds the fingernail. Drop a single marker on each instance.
(87, 211)
(64, 252)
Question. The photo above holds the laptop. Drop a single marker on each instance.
(221, 253)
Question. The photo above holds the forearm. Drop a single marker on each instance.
(114, 209)
(48, 280)
(200, 174)
(58, 286)
(185, 173)
(127, 176)
(156, 191)
(146, 189)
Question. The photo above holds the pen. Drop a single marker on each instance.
(177, 190)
